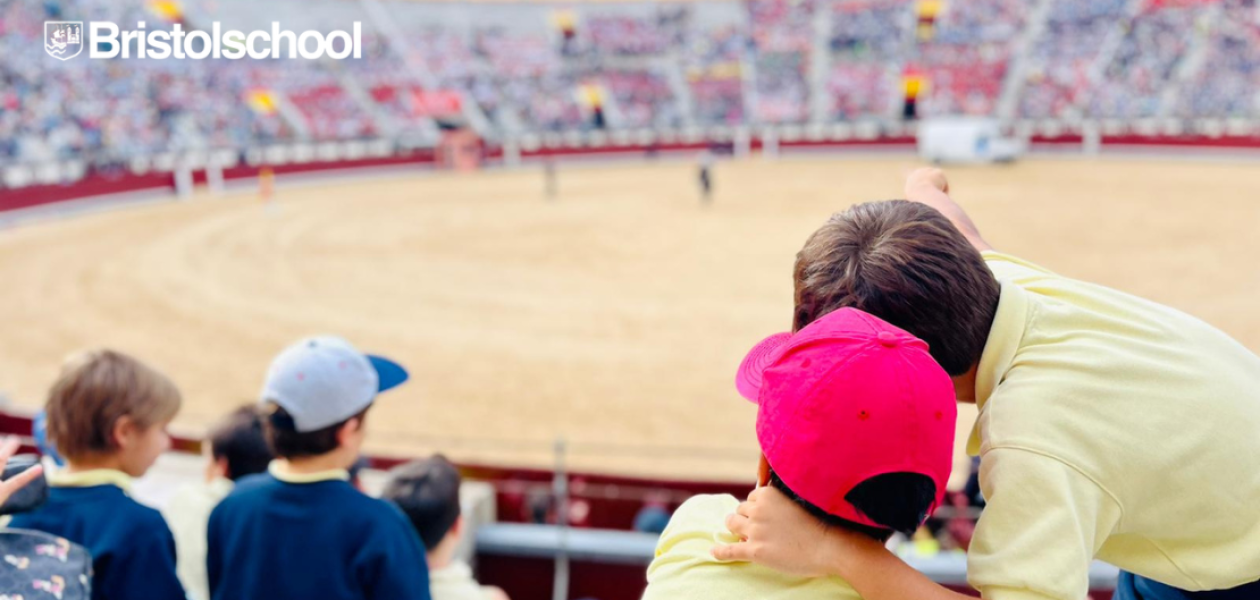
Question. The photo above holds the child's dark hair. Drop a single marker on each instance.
(897, 501)
(239, 440)
(905, 263)
(287, 442)
(427, 491)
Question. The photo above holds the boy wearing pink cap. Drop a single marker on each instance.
(856, 425)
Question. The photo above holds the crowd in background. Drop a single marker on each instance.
(865, 38)
(1060, 61)
(780, 61)
(968, 54)
(1226, 81)
(1133, 83)
(782, 42)
(714, 68)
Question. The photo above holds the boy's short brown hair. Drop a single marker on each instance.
(427, 491)
(286, 441)
(238, 439)
(97, 388)
(905, 263)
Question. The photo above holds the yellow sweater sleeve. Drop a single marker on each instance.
(1015, 270)
(1041, 526)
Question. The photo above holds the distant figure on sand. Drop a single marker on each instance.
(549, 172)
(706, 178)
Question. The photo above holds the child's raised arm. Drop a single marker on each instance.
(929, 186)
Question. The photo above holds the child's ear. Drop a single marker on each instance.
(348, 429)
(125, 430)
(221, 467)
(763, 472)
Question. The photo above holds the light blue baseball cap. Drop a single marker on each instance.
(321, 381)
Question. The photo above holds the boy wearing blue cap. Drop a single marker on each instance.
(301, 530)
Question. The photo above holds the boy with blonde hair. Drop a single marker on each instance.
(107, 415)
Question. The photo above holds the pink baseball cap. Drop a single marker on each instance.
(845, 399)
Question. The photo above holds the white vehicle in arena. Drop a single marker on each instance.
(966, 140)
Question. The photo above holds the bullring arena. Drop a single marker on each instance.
(512, 199)
(612, 317)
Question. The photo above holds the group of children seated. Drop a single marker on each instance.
(277, 515)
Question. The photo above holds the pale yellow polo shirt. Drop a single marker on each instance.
(188, 514)
(281, 470)
(92, 478)
(1111, 427)
(684, 568)
(455, 582)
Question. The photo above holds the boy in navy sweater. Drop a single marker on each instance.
(107, 415)
(301, 531)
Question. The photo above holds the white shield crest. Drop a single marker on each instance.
(63, 39)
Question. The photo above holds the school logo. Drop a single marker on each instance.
(63, 39)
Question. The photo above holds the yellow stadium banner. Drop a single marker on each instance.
(564, 21)
(928, 11)
(930, 8)
(167, 10)
(726, 70)
(591, 95)
(262, 102)
(913, 84)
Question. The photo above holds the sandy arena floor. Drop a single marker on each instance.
(614, 317)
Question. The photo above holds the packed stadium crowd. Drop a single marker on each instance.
(714, 72)
(1149, 54)
(1225, 82)
(767, 61)
(865, 39)
(1061, 61)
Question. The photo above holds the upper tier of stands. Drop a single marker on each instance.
(516, 68)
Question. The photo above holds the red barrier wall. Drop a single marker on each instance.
(91, 185)
(99, 184)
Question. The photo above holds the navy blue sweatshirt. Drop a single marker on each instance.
(325, 539)
(133, 551)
